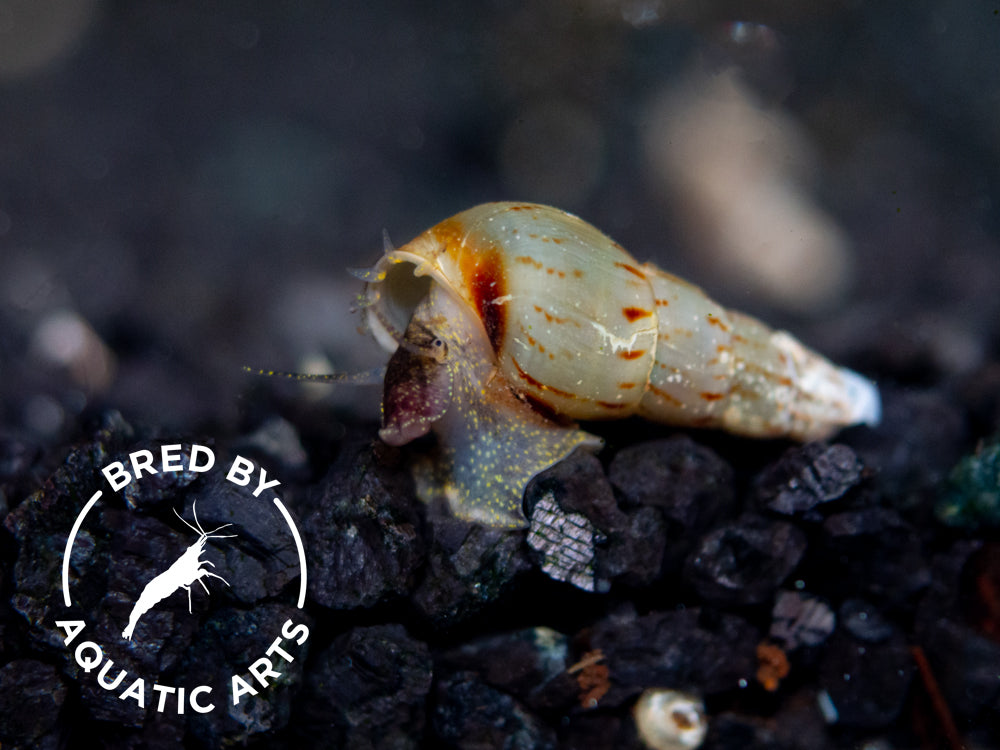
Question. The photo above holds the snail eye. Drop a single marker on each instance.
(439, 349)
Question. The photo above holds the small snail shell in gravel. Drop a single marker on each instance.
(670, 720)
(510, 320)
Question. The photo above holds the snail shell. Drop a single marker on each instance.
(510, 320)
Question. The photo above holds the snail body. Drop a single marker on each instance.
(510, 320)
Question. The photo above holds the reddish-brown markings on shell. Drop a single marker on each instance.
(612, 405)
(634, 313)
(531, 339)
(673, 401)
(631, 269)
(707, 396)
(634, 354)
(626, 386)
(768, 374)
(527, 378)
(488, 284)
(537, 265)
(549, 316)
(714, 320)
(539, 384)
(483, 271)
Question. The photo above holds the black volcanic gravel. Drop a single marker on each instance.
(465, 669)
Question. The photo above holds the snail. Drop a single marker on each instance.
(510, 321)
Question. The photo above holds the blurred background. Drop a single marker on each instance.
(183, 185)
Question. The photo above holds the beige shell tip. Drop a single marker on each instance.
(866, 404)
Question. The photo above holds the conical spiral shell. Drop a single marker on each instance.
(540, 303)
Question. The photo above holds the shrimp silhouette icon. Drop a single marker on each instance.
(182, 574)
